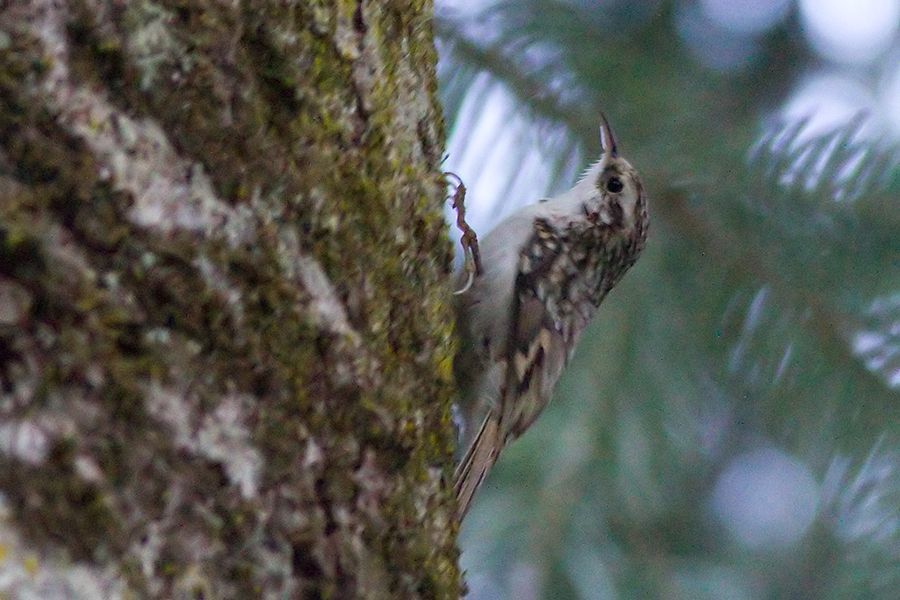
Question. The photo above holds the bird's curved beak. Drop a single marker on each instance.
(607, 138)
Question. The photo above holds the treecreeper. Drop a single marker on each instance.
(540, 276)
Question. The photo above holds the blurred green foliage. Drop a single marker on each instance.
(730, 425)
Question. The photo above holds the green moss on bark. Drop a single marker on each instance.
(319, 130)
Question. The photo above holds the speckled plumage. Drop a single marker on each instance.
(547, 268)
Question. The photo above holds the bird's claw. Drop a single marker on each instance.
(468, 240)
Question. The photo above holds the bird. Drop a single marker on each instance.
(544, 271)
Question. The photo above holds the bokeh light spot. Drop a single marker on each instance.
(711, 45)
(749, 16)
(850, 32)
(765, 499)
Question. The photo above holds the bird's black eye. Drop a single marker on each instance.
(615, 185)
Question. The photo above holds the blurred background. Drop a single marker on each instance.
(730, 425)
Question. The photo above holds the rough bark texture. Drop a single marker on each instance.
(225, 339)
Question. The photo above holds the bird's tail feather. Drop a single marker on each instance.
(478, 460)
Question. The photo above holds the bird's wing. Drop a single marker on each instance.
(538, 343)
(535, 356)
(537, 350)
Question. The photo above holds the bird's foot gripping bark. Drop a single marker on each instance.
(468, 240)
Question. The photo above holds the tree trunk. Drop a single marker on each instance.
(225, 333)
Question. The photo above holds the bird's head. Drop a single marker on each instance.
(617, 195)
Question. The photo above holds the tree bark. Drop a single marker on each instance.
(225, 331)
